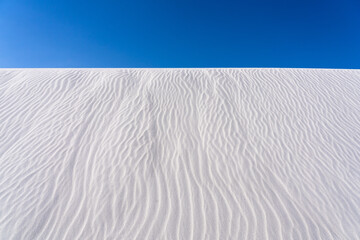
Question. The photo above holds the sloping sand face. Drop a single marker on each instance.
(179, 154)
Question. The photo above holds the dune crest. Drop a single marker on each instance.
(179, 154)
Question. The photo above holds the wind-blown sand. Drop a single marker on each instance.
(179, 154)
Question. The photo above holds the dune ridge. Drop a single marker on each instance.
(179, 154)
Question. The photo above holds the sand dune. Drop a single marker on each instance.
(179, 154)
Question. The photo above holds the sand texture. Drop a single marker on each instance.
(179, 154)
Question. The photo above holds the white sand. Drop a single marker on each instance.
(179, 154)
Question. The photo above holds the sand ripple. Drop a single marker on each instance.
(179, 154)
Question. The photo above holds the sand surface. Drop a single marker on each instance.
(179, 154)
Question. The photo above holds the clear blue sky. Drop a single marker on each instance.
(180, 33)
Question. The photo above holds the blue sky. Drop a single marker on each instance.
(180, 33)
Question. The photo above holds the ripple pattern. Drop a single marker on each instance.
(179, 154)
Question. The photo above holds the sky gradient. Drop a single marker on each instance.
(159, 33)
